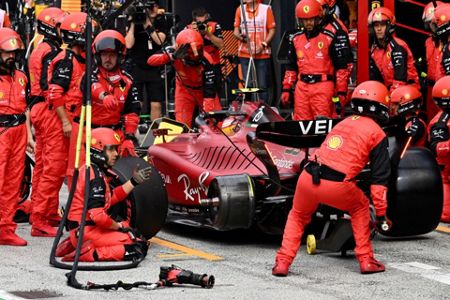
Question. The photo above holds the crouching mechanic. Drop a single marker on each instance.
(197, 80)
(330, 178)
(440, 139)
(115, 101)
(104, 238)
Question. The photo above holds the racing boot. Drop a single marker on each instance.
(87, 253)
(64, 248)
(368, 264)
(41, 228)
(10, 238)
(281, 268)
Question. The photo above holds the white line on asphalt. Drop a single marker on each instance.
(4, 295)
(424, 270)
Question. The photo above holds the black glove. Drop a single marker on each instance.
(181, 52)
(439, 132)
(416, 129)
(139, 176)
(130, 231)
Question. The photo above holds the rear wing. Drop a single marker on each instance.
(296, 134)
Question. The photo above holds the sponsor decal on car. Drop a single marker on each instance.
(193, 192)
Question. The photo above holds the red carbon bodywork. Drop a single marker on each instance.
(191, 161)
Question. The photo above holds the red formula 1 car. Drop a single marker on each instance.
(239, 169)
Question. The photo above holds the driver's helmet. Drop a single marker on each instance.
(230, 126)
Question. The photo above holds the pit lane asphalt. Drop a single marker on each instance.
(241, 261)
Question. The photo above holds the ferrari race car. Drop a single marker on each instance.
(239, 169)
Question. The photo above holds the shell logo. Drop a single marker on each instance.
(73, 25)
(320, 45)
(445, 92)
(117, 137)
(334, 142)
(306, 9)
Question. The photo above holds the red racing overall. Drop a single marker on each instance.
(65, 73)
(321, 64)
(440, 145)
(120, 85)
(13, 142)
(394, 65)
(345, 152)
(44, 208)
(108, 244)
(196, 85)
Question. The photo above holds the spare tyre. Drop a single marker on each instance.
(415, 194)
(148, 200)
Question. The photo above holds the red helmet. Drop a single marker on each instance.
(371, 98)
(307, 9)
(441, 93)
(381, 14)
(428, 11)
(102, 139)
(194, 39)
(109, 40)
(10, 40)
(73, 28)
(441, 20)
(384, 15)
(48, 19)
(408, 98)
